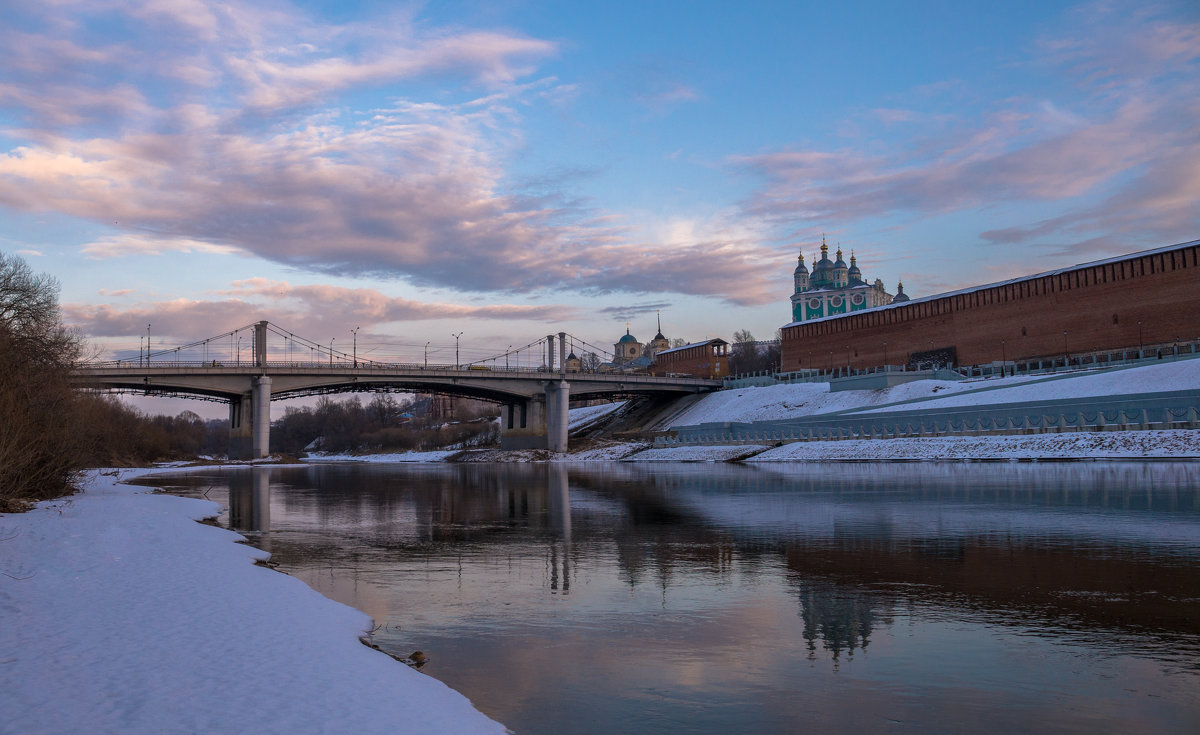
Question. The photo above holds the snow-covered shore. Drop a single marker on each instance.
(807, 399)
(121, 614)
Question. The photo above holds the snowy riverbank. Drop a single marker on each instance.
(122, 614)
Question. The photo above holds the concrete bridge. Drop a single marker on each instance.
(534, 401)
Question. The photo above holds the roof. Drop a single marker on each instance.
(627, 337)
(997, 284)
(694, 344)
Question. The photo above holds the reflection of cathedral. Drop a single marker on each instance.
(835, 288)
(840, 615)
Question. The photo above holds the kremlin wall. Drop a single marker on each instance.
(1128, 301)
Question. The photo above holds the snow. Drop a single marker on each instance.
(122, 614)
(435, 455)
(579, 417)
(1173, 444)
(696, 453)
(806, 399)
(1166, 376)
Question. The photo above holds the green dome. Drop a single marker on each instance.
(627, 338)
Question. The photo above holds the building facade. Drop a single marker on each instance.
(1135, 300)
(707, 359)
(834, 288)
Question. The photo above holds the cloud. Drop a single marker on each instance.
(630, 312)
(228, 134)
(309, 310)
(116, 246)
(1117, 153)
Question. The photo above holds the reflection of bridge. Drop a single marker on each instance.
(534, 400)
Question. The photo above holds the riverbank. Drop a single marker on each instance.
(123, 614)
(1181, 444)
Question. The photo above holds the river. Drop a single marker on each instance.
(717, 598)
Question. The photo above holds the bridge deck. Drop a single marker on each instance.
(289, 379)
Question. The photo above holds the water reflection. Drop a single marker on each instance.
(250, 500)
(723, 597)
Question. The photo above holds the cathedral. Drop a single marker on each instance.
(835, 288)
(629, 354)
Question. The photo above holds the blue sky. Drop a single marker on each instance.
(511, 169)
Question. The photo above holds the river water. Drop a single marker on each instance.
(717, 598)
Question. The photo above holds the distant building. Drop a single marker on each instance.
(835, 288)
(707, 359)
(630, 354)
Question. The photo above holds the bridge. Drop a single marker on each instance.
(534, 400)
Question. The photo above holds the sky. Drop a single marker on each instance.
(516, 168)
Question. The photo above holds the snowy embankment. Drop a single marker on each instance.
(806, 399)
(122, 614)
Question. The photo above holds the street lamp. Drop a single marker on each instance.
(1066, 354)
(239, 348)
(1139, 338)
(885, 355)
(426, 355)
(1003, 358)
(331, 339)
(147, 345)
(457, 364)
(139, 349)
(506, 353)
(355, 333)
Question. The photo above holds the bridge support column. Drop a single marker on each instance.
(241, 422)
(523, 424)
(558, 401)
(261, 418)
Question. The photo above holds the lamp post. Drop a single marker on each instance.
(885, 355)
(1139, 338)
(847, 359)
(239, 351)
(506, 356)
(147, 345)
(426, 355)
(456, 337)
(331, 339)
(1066, 354)
(1003, 358)
(831, 362)
(139, 349)
(354, 332)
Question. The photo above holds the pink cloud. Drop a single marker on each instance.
(415, 192)
(311, 310)
(1119, 161)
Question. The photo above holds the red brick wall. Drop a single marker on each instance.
(698, 361)
(1097, 306)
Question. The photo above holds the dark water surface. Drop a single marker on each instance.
(714, 598)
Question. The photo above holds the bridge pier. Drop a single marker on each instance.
(261, 418)
(241, 434)
(539, 422)
(250, 421)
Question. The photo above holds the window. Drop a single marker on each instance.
(1114, 318)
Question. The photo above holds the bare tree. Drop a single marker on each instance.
(40, 448)
(590, 362)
